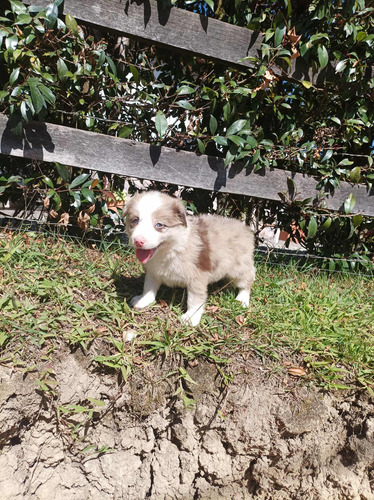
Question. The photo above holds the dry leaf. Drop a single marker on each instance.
(162, 303)
(95, 182)
(293, 38)
(53, 214)
(240, 319)
(46, 202)
(297, 371)
(90, 209)
(113, 208)
(268, 77)
(193, 362)
(213, 308)
(287, 363)
(64, 219)
(86, 87)
(83, 220)
(295, 53)
(109, 195)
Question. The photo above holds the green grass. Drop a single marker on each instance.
(57, 293)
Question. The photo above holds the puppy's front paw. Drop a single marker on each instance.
(191, 319)
(243, 297)
(141, 301)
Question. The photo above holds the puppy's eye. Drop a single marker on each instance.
(158, 225)
(135, 221)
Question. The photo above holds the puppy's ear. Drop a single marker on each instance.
(128, 205)
(180, 212)
(125, 209)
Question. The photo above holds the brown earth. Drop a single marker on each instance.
(255, 438)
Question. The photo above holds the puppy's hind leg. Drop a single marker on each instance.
(151, 286)
(244, 286)
(195, 305)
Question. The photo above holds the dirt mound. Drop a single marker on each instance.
(252, 439)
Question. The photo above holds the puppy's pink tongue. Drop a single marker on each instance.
(144, 255)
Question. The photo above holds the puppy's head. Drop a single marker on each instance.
(152, 220)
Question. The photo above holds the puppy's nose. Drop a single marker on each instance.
(139, 241)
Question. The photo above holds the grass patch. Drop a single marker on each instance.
(56, 292)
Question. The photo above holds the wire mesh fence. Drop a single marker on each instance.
(115, 236)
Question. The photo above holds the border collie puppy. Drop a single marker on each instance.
(187, 251)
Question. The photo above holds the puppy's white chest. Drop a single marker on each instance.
(169, 270)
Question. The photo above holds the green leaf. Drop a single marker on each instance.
(48, 77)
(79, 180)
(327, 155)
(229, 158)
(222, 141)
(135, 73)
(312, 228)
(25, 111)
(355, 175)
(48, 181)
(349, 204)
(279, 35)
(307, 84)
(72, 24)
(23, 19)
(88, 194)
(47, 93)
(51, 13)
(161, 123)
(357, 220)
(96, 402)
(236, 127)
(239, 141)
(16, 124)
(210, 3)
(326, 224)
(336, 120)
(323, 56)
(251, 142)
(17, 7)
(213, 124)
(112, 66)
(11, 43)
(186, 105)
(36, 97)
(201, 146)
(63, 171)
(185, 89)
(125, 131)
(62, 69)
(77, 199)
(57, 200)
(14, 75)
(341, 66)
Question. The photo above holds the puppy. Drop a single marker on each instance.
(187, 251)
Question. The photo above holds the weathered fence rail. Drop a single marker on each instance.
(79, 148)
(185, 31)
(179, 30)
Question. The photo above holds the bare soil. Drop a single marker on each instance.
(255, 438)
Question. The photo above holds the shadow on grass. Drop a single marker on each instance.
(129, 286)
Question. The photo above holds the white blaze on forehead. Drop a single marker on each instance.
(144, 208)
(148, 203)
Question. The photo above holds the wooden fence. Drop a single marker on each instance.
(184, 31)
